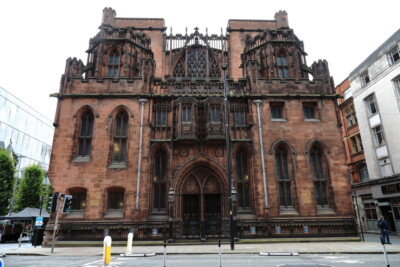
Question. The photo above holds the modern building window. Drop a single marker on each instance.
(394, 55)
(370, 213)
(78, 200)
(310, 111)
(85, 134)
(282, 65)
(276, 110)
(120, 137)
(370, 103)
(319, 178)
(356, 144)
(351, 117)
(242, 180)
(161, 118)
(113, 64)
(363, 173)
(186, 112)
(159, 180)
(397, 86)
(215, 113)
(239, 118)
(379, 137)
(385, 167)
(364, 78)
(283, 177)
(115, 199)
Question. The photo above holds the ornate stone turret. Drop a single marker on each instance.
(320, 70)
(109, 15)
(73, 68)
(281, 18)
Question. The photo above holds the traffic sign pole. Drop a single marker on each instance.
(55, 224)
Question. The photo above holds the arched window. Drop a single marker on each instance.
(120, 137)
(78, 199)
(113, 64)
(85, 134)
(282, 65)
(242, 180)
(319, 176)
(159, 180)
(115, 199)
(283, 177)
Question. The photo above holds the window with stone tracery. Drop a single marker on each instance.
(85, 134)
(113, 64)
(283, 177)
(242, 180)
(120, 137)
(159, 180)
(282, 65)
(318, 169)
(199, 64)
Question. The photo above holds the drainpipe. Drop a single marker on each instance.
(142, 102)
(264, 173)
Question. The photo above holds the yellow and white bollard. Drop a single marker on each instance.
(107, 251)
(129, 244)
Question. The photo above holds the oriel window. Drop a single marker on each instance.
(215, 113)
(282, 65)
(113, 64)
(120, 137)
(186, 112)
(85, 134)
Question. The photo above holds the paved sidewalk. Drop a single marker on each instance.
(370, 246)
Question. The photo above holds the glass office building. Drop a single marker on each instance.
(27, 132)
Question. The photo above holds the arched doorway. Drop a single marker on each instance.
(202, 203)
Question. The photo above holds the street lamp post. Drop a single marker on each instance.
(171, 199)
(224, 67)
(19, 157)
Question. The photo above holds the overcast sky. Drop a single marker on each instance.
(38, 36)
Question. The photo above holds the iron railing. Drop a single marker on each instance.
(243, 229)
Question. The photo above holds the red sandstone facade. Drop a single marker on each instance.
(351, 135)
(143, 118)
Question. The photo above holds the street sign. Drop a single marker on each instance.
(39, 221)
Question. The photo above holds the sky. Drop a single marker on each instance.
(38, 36)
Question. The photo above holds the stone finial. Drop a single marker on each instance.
(109, 15)
(281, 18)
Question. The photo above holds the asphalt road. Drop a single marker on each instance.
(208, 260)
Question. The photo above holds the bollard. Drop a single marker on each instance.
(107, 251)
(219, 252)
(165, 252)
(384, 252)
(129, 244)
(20, 240)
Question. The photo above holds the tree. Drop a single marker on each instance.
(30, 188)
(6, 180)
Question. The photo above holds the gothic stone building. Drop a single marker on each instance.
(140, 139)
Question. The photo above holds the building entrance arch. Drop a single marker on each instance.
(202, 202)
